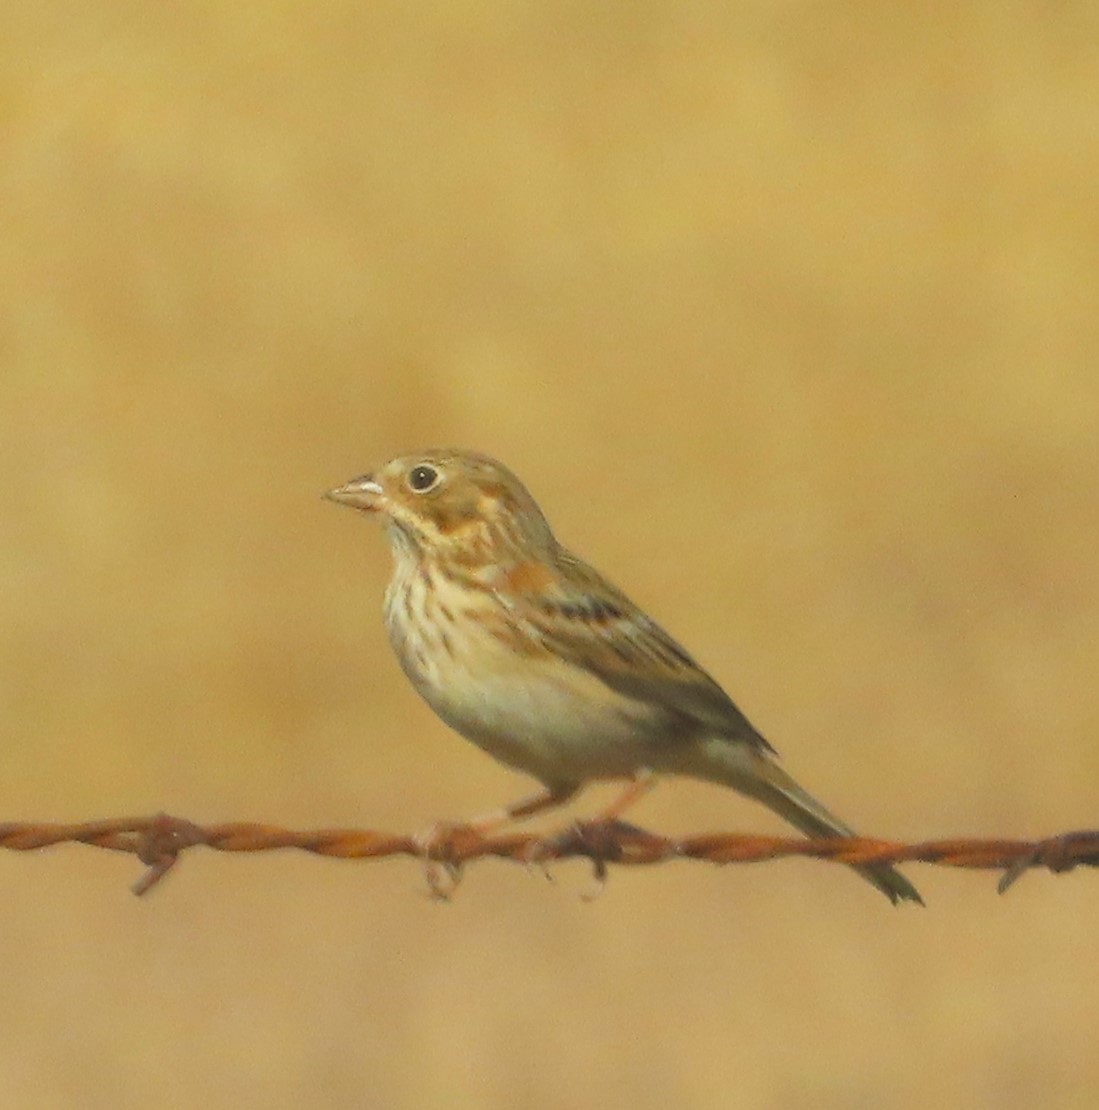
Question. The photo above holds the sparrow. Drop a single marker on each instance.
(526, 650)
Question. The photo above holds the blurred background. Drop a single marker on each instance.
(788, 314)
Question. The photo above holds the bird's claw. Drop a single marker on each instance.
(599, 840)
(439, 852)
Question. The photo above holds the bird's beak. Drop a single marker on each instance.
(360, 493)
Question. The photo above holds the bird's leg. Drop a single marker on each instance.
(549, 798)
(597, 837)
(432, 842)
(639, 785)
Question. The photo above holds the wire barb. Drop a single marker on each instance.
(159, 841)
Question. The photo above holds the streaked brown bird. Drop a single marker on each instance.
(530, 653)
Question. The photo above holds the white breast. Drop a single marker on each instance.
(531, 710)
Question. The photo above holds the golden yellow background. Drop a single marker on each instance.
(788, 313)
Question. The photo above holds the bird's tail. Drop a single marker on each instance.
(756, 774)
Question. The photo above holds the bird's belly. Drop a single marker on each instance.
(538, 713)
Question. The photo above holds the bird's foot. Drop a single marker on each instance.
(601, 840)
(442, 848)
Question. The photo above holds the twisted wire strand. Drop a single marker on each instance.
(159, 841)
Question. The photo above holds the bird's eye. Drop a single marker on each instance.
(422, 478)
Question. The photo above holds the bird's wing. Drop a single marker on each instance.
(580, 615)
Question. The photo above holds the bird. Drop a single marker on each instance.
(526, 650)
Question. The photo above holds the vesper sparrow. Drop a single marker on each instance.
(535, 657)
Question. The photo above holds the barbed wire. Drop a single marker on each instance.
(160, 840)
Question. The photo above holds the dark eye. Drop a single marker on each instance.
(423, 477)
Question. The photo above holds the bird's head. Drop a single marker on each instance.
(438, 502)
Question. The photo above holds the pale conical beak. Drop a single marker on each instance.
(360, 493)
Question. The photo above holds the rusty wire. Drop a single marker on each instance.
(160, 840)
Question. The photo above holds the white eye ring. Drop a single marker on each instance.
(423, 477)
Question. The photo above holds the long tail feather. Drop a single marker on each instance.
(755, 773)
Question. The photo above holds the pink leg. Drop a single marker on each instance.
(549, 798)
(637, 788)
